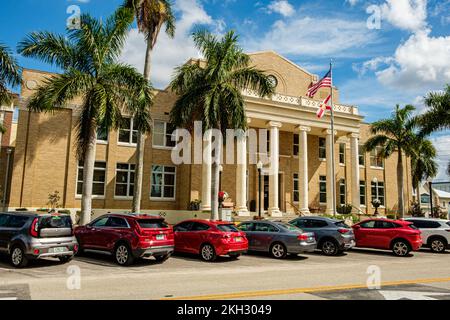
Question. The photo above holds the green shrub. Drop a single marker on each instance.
(344, 209)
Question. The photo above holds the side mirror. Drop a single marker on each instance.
(357, 227)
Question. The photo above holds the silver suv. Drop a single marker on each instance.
(435, 232)
(26, 236)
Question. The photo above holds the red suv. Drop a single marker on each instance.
(210, 239)
(127, 237)
(397, 235)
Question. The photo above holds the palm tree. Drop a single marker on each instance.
(88, 59)
(423, 165)
(437, 117)
(395, 134)
(151, 15)
(211, 92)
(9, 76)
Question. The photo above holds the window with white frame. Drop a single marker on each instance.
(376, 160)
(102, 135)
(296, 145)
(163, 182)
(378, 191)
(162, 134)
(295, 189)
(322, 189)
(124, 180)
(99, 179)
(342, 153)
(362, 193)
(342, 192)
(361, 155)
(322, 148)
(127, 132)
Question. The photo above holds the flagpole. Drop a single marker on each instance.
(333, 160)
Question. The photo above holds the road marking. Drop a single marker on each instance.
(248, 294)
(410, 295)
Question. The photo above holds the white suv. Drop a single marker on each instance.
(435, 233)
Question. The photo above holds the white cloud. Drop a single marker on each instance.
(406, 14)
(282, 7)
(421, 62)
(170, 53)
(317, 37)
(442, 145)
(352, 2)
(372, 65)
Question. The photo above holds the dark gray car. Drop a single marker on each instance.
(277, 238)
(333, 236)
(29, 235)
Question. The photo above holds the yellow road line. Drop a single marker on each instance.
(249, 294)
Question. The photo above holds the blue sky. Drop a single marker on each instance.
(376, 65)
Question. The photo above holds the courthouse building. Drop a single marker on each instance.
(45, 159)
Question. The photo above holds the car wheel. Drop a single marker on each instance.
(329, 248)
(123, 255)
(208, 253)
(162, 258)
(438, 245)
(18, 258)
(278, 250)
(400, 248)
(65, 259)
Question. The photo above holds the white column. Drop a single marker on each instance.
(354, 150)
(274, 206)
(303, 169)
(206, 173)
(241, 176)
(331, 203)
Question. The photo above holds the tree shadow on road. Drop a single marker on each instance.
(375, 252)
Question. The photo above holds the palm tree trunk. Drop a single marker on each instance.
(88, 178)
(140, 148)
(401, 205)
(215, 177)
(419, 199)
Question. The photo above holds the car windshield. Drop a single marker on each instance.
(228, 228)
(55, 222)
(289, 227)
(151, 223)
(341, 224)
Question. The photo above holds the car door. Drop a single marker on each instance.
(116, 229)
(196, 236)
(4, 232)
(92, 235)
(180, 231)
(383, 234)
(364, 233)
(247, 227)
(264, 233)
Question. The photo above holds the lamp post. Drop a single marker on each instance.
(8, 152)
(430, 187)
(220, 177)
(259, 165)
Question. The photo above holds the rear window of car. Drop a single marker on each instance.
(55, 222)
(152, 223)
(289, 227)
(341, 224)
(227, 228)
(448, 223)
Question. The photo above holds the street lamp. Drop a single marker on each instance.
(259, 165)
(220, 177)
(8, 152)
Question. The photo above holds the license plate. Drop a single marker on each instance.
(57, 250)
(238, 239)
(160, 237)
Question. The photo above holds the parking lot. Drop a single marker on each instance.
(308, 276)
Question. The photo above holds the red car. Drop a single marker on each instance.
(397, 235)
(127, 237)
(209, 239)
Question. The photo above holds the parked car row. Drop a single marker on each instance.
(127, 237)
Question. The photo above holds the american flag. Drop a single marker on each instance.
(323, 106)
(325, 82)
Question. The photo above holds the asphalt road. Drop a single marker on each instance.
(311, 276)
